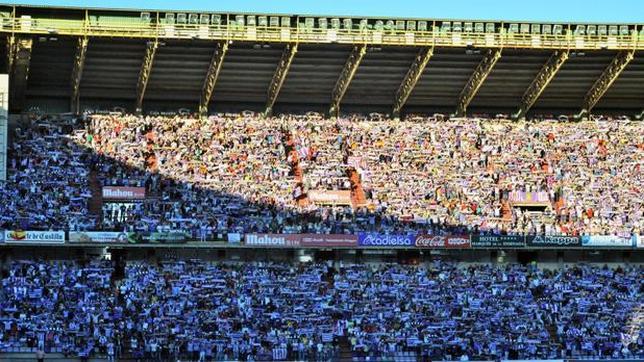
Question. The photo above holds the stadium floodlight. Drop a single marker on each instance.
(613, 30)
(262, 20)
(216, 20)
(323, 23)
(274, 22)
(193, 19)
(400, 25)
(251, 20)
(335, 23)
(145, 17)
(514, 28)
(602, 30)
(422, 25)
(347, 24)
(592, 30)
(204, 19)
(580, 30)
(182, 18)
(169, 18)
(479, 27)
(286, 21)
(546, 29)
(490, 28)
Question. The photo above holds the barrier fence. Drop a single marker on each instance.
(360, 240)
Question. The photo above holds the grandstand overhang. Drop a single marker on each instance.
(393, 76)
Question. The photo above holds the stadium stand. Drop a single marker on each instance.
(186, 186)
(274, 311)
(231, 173)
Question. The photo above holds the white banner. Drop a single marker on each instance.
(36, 237)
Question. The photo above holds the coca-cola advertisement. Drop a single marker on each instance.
(385, 240)
(443, 242)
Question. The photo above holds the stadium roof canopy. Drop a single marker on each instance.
(62, 59)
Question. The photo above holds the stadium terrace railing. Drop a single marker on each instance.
(435, 37)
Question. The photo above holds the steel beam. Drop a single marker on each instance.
(342, 84)
(77, 73)
(476, 80)
(279, 76)
(411, 78)
(216, 62)
(144, 74)
(19, 72)
(606, 79)
(541, 81)
(11, 52)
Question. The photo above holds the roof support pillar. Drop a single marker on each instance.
(77, 73)
(216, 62)
(342, 84)
(606, 79)
(411, 78)
(11, 52)
(280, 76)
(541, 81)
(144, 73)
(476, 80)
(19, 66)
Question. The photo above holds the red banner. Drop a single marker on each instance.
(443, 242)
(322, 197)
(332, 240)
(123, 193)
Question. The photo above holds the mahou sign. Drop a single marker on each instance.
(272, 239)
(443, 242)
(123, 193)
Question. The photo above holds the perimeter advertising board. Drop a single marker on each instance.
(443, 242)
(384, 240)
(330, 240)
(272, 239)
(552, 241)
(498, 241)
(34, 237)
(609, 241)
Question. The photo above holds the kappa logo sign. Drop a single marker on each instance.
(433, 241)
(553, 241)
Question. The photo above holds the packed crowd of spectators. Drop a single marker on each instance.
(232, 173)
(277, 311)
